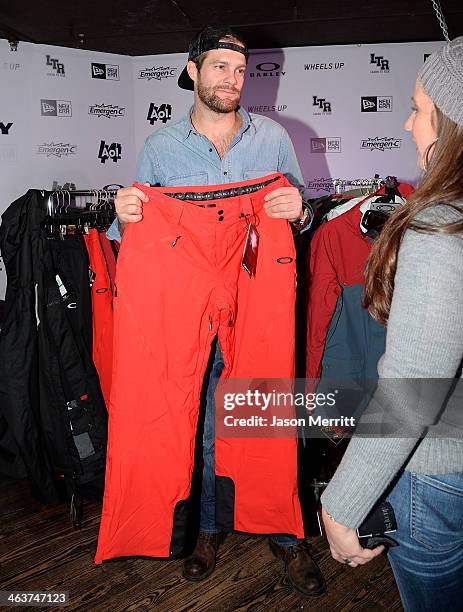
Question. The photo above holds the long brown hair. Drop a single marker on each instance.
(441, 184)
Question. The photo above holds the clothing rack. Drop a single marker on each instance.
(75, 212)
(64, 200)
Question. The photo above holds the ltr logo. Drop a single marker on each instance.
(380, 61)
(322, 104)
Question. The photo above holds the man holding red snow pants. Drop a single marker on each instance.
(181, 282)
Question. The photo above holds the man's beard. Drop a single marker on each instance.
(208, 96)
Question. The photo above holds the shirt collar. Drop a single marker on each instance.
(188, 128)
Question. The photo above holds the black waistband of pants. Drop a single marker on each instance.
(220, 194)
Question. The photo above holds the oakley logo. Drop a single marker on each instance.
(268, 66)
(102, 290)
(72, 305)
(285, 260)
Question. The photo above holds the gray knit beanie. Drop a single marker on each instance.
(442, 78)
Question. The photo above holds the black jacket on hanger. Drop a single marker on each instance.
(50, 395)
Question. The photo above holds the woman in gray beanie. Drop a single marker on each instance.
(414, 285)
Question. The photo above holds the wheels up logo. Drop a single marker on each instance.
(330, 144)
(13, 66)
(56, 108)
(58, 149)
(162, 72)
(109, 72)
(163, 113)
(106, 110)
(272, 108)
(267, 69)
(326, 66)
(384, 143)
(381, 64)
(56, 66)
(323, 106)
(110, 151)
(5, 128)
(376, 104)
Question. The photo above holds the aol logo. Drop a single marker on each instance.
(109, 151)
(163, 113)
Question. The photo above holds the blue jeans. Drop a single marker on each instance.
(428, 564)
(207, 517)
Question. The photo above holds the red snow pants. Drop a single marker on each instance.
(102, 260)
(179, 283)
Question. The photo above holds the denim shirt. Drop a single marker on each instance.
(177, 155)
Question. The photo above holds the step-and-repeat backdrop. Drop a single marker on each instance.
(76, 118)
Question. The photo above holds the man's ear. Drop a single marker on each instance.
(192, 70)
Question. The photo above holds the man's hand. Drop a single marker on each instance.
(129, 205)
(344, 543)
(284, 203)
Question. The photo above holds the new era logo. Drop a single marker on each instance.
(98, 71)
(48, 107)
(56, 108)
(330, 144)
(105, 71)
(376, 104)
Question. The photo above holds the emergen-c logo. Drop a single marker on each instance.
(163, 72)
(321, 184)
(385, 143)
(106, 110)
(58, 149)
(376, 104)
(330, 144)
(267, 69)
(56, 108)
(109, 72)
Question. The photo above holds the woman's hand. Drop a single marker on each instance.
(344, 543)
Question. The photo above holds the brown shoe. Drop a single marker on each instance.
(201, 563)
(302, 571)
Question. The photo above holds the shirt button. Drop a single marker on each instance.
(225, 172)
(220, 212)
(221, 218)
(210, 150)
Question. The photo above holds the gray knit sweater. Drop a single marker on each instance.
(424, 340)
